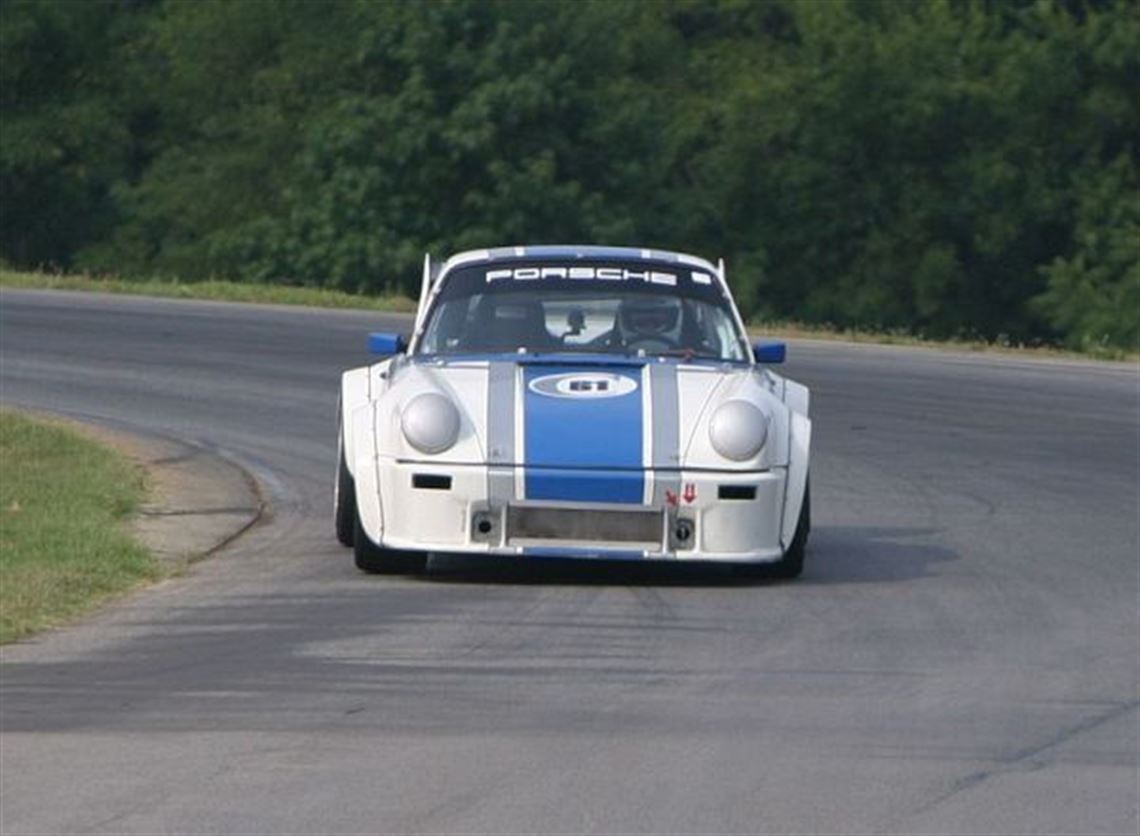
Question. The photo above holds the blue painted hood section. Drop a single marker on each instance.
(580, 446)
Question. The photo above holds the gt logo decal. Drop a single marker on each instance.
(580, 385)
(583, 385)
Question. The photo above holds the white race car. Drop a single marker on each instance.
(574, 401)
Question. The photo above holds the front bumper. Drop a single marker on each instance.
(710, 516)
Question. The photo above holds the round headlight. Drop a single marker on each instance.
(430, 423)
(738, 430)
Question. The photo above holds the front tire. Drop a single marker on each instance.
(344, 498)
(791, 565)
(377, 560)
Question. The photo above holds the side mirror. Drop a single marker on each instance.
(769, 352)
(379, 343)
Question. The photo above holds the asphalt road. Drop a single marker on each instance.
(962, 654)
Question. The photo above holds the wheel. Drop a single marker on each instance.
(791, 565)
(376, 560)
(344, 497)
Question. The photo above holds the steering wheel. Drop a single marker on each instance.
(651, 345)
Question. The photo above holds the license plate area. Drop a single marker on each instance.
(539, 525)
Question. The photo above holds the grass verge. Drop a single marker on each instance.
(213, 290)
(800, 330)
(63, 547)
(225, 291)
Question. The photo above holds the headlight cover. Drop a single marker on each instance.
(738, 430)
(430, 423)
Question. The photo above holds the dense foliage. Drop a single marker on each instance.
(952, 167)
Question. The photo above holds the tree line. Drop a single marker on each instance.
(949, 168)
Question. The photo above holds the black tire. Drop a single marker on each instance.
(344, 500)
(376, 560)
(791, 565)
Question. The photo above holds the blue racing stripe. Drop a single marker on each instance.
(583, 434)
(584, 485)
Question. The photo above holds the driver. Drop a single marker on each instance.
(652, 323)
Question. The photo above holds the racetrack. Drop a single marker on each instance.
(962, 654)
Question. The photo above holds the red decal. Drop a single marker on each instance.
(690, 492)
(670, 497)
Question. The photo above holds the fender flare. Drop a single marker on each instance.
(354, 395)
(358, 434)
(797, 399)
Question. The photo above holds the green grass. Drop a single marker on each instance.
(63, 547)
(317, 297)
(221, 291)
(800, 330)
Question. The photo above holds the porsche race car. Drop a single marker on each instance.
(577, 402)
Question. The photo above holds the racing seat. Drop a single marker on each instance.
(502, 323)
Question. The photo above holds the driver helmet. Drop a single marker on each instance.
(650, 317)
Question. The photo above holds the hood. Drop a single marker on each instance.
(558, 418)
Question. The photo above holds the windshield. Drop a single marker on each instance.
(613, 308)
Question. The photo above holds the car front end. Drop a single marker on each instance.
(671, 443)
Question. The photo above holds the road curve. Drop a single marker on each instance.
(962, 654)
